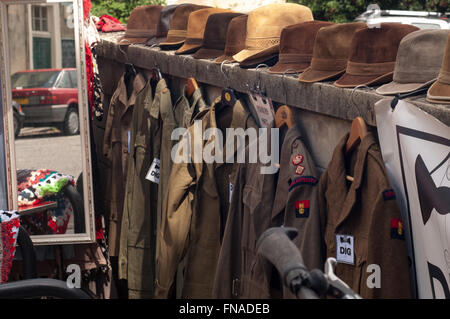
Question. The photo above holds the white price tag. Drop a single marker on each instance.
(264, 109)
(153, 172)
(345, 252)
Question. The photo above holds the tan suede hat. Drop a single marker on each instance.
(418, 63)
(372, 55)
(264, 28)
(141, 25)
(196, 29)
(237, 30)
(439, 92)
(330, 53)
(178, 26)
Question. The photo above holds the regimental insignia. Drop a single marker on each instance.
(388, 194)
(300, 170)
(303, 180)
(297, 160)
(397, 230)
(302, 209)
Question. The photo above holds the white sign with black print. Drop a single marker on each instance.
(416, 152)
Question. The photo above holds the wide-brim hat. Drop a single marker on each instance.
(372, 55)
(141, 25)
(235, 42)
(311, 75)
(296, 47)
(163, 25)
(264, 28)
(196, 29)
(418, 63)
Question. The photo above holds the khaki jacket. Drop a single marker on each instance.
(138, 240)
(197, 198)
(260, 201)
(115, 149)
(367, 210)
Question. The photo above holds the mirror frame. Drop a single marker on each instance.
(83, 112)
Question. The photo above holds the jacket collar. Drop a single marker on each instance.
(138, 84)
(346, 197)
(282, 189)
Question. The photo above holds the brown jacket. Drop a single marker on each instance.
(196, 203)
(367, 210)
(260, 201)
(115, 149)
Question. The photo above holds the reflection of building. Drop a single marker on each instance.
(41, 36)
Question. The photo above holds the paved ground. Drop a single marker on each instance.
(46, 147)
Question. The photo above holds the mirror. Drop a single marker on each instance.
(46, 114)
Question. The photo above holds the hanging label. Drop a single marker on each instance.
(129, 141)
(345, 249)
(231, 191)
(153, 172)
(264, 109)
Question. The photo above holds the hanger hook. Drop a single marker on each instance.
(223, 72)
(258, 75)
(283, 80)
(123, 51)
(352, 97)
(153, 45)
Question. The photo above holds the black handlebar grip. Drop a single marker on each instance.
(276, 246)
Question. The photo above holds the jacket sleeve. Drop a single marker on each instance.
(175, 227)
(107, 138)
(229, 263)
(387, 249)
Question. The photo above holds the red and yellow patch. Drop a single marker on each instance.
(302, 209)
(297, 160)
(397, 230)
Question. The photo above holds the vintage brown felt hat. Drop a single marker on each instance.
(264, 28)
(178, 26)
(296, 47)
(215, 35)
(196, 29)
(419, 61)
(163, 25)
(372, 55)
(237, 30)
(330, 52)
(141, 25)
(439, 92)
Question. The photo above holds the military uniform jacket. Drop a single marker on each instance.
(366, 210)
(260, 201)
(138, 240)
(115, 149)
(194, 209)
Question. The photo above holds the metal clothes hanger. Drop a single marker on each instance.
(284, 114)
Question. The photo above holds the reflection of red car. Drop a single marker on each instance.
(48, 97)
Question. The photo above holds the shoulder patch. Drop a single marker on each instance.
(304, 180)
(397, 231)
(388, 194)
(302, 209)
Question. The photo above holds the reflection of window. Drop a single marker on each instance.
(68, 53)
(40, 21)
(64, 81)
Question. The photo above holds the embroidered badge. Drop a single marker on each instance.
(388, 194)
(300, 170)
(297, 160)
(302, 209)
(397, 231)
(304, 180)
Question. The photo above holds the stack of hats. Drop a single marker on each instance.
(439, 92)
(296, 47)
(215, 35)
(178, 26)
(264, 28)
(142, 25)
(196, 29)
